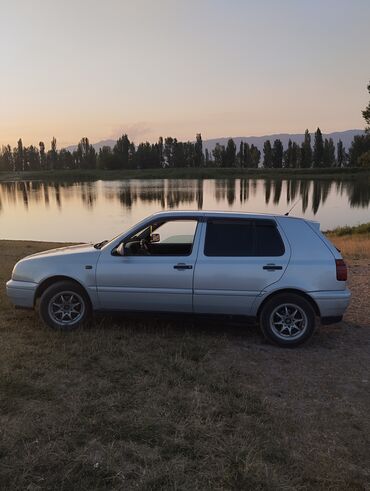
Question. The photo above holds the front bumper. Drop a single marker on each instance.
(21, 293)
(332, 303)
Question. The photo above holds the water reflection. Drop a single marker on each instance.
(174, 193)
(277, 195)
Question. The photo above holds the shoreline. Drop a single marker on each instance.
(185, 173)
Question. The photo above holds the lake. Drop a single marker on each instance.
(93, 211)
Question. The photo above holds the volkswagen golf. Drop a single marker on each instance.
(279, 270)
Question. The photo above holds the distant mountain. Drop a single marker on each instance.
(97, 146)
(345, 136)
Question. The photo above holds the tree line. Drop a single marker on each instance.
(170, 152)
(321, 154)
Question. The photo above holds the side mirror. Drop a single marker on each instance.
(155, 238)
(120, 250)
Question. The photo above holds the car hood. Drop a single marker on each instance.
(64, 261)
(65, 251)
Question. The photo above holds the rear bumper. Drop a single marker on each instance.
(21, 293)
(332, 303)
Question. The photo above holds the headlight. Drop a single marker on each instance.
(22, 272)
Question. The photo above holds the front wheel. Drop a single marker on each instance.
(64, 306)
(287, 320)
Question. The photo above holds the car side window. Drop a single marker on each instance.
(176, 232)
(268, 241)
(229, 238)
(169, 238)
(243, 238)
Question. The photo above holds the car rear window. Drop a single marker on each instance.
(241, 238)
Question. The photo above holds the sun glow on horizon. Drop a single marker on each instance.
(74, 69)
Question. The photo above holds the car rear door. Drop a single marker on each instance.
(237, 259)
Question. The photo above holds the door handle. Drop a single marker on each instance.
(183, 266)
(272, 267)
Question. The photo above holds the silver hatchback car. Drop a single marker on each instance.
(279, 270)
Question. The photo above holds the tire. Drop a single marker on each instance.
(287, 320)
(65, 306)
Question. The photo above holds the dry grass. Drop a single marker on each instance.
(135, 404)
(352, 246)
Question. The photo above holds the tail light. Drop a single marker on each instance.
(341, 270)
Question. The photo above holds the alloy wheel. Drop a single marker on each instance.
(66, 308)
(288, 321)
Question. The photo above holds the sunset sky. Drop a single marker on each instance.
(74, 68)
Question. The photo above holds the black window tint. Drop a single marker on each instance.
(268, 240)
(229, 238)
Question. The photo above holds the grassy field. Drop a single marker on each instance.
(152, 404)
(353, 242)
(184, 173)
(357, 230)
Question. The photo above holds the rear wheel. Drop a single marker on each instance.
(64, 306)
(287, 320)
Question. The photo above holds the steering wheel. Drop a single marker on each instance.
(144, 247)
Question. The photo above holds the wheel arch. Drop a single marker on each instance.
(44, 285)
(289, 290)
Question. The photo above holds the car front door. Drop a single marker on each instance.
(154, 276)
(237, 259)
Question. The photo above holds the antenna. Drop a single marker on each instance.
(287, 213)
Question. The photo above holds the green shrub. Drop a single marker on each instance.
(363, 228)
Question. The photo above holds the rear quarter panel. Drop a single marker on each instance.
(311, 268)
(312, 262)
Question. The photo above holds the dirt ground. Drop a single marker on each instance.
(153, 404)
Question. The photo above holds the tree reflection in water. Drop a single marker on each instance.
(88, 194)
(267, 191)
(199, 194)
(244, 190)
(359, 195)
(46, 195)
(187, 193)
(292, 189)
(277, 191)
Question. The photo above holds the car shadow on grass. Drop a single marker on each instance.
(179, 324)
(242, 332)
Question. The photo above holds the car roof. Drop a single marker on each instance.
(164, 215)
(216, 213)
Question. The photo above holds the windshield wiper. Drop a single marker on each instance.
(99, 245)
